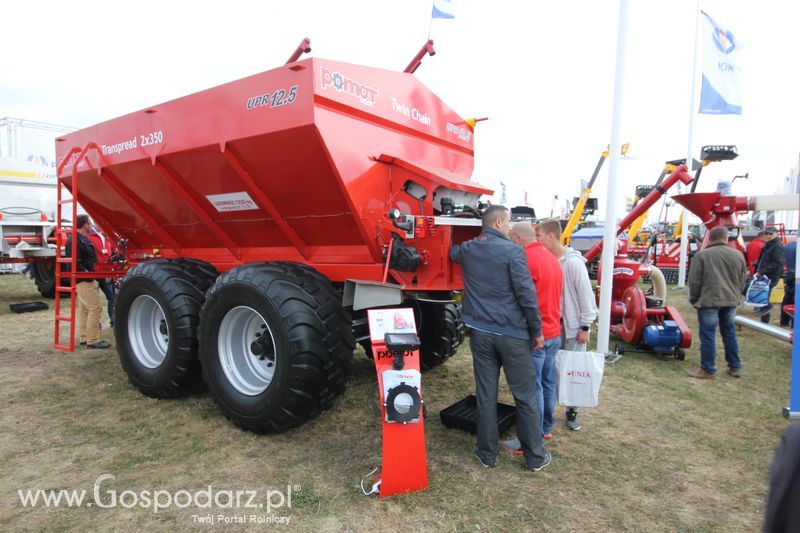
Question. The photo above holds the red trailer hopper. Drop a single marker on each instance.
(284, 182)
(300, 163)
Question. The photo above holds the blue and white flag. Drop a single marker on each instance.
(722, 88)
(443, 9)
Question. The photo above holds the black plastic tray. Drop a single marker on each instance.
(464, 413)
(28, 307)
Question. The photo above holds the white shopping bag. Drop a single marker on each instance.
(579, 377)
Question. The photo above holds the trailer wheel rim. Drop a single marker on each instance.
(148, 332)
(246, 350)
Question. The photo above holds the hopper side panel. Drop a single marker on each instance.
(292, 169)
(225, 198)
(398, 98)
(164, 205)
(251, 106)
(102, 200)
(354, 157)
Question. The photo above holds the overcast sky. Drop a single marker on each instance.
(541, 71)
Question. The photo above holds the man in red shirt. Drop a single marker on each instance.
(753, 252)
(103, 251)
(548, 280)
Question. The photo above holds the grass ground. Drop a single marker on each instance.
(661, 453)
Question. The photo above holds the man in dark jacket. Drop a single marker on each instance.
(501, 307)
(783, 512)
(790, 256)
(716, 279)
(770, 265)
(89, 306)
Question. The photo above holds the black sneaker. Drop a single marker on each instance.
(544, 463)
(481, 461)
(572, 420)
(99, 345)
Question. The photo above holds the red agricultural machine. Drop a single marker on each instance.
(261, 218)
(663, 249)
(636, 318)
(715, 209)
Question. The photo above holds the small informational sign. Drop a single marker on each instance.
(232, 201)
(404, 466)
(382, 321)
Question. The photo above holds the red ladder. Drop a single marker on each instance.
(75, 156)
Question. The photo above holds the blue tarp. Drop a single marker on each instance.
(588, 233)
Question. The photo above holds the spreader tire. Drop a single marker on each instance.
(440, 331)
(275, 345)
(156, 313)
(45, 278)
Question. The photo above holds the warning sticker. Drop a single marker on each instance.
(232, 201)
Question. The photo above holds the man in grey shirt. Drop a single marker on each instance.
(578, 309)
(500, 306)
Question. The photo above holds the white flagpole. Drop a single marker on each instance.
(610, 228)
(684, 229)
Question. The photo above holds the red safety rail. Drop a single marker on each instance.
(75, 156)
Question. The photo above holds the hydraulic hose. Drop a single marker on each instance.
(659, 283)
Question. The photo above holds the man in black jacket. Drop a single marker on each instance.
(790, 257)
(501, 307)
(89, 306)
(770, 265)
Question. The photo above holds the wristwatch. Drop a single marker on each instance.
(584, 328)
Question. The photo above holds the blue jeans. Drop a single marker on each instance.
(545, 362)
(709, 317)
(772, 284)
(107, 286)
